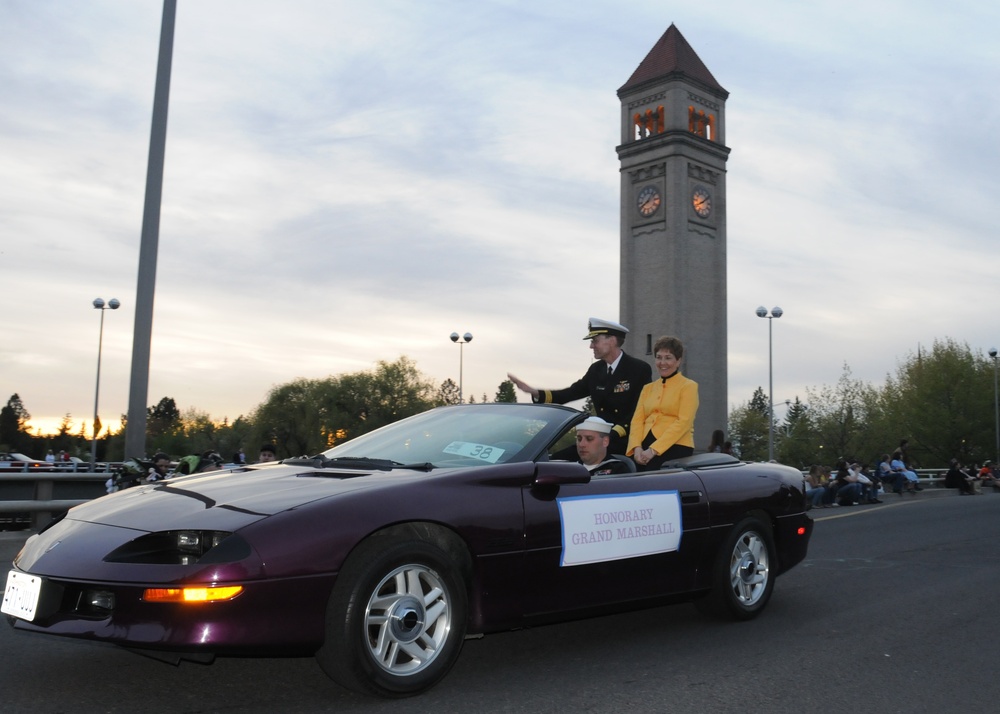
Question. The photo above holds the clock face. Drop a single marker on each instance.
(701, 201)
(648, 200)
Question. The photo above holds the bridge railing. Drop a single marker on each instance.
(35, 497)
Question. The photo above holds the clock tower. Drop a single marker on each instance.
(673, 218)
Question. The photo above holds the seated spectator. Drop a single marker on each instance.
(890, 477)
(823, 495)
(869, 485)
(957, 478)
(160, 469)
(848, 486)
(815, 487)
(906, 478)
(593, 436)
(987, 477)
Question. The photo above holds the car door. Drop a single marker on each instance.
(615, 539)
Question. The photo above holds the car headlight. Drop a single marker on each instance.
(182, 548)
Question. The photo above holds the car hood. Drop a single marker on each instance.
(224, 501)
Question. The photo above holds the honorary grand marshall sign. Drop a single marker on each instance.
(598, 528)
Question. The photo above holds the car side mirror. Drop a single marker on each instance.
(556, 473)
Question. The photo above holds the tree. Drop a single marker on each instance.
(796, 437)
(165, 430)
(942, 401)
(506, 393)
(163, 419)
(841, 416)
(13, 420)
(230, 437)
(759, 402)
(306, 416)
(391, 391)
(748, 432)
(448, 392)
(199, 430)
(291, 417)
(63, 440)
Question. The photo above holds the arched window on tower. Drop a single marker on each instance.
(648, 123)
(701, 124)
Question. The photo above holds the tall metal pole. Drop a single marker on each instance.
(996, 402)
(135, 429)
(467, 337)
(770, 389)
(775, 313)
(99, 305)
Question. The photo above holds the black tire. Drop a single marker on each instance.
(396, 619)
(743, 574)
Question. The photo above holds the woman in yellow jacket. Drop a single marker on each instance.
(663, 424)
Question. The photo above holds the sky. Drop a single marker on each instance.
(352, 182)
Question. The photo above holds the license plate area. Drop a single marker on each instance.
(22, 595)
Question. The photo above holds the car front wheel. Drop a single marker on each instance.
(396, 619)
(743, 576)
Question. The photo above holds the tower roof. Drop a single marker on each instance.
(672, 54)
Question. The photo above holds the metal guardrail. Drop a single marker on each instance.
(36, 497)
(13, 467)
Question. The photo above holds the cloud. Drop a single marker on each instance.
(346, 183)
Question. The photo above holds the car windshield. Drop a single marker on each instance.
(462, 435)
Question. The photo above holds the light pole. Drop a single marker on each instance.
(996, 403)
(99, 305)
(467, 337)
(775, 313)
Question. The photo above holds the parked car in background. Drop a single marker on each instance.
(380, 556)
(13, 461)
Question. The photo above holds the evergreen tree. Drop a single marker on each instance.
(448, 392)
(758, 402)
(506, 393)
(13, 424)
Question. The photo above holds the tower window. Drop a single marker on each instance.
(701, 124)
(649, 344)
(648, 123)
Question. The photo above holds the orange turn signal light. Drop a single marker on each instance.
(192, 594)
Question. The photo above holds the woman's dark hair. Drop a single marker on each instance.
(671, 344)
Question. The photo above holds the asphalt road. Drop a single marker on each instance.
(892, 612)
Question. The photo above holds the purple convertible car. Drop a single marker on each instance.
(381, 555)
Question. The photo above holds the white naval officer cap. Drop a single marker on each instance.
(596, 326)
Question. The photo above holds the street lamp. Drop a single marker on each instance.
(99, 305)
(467, 337)
(775, 313)
(996, 404)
